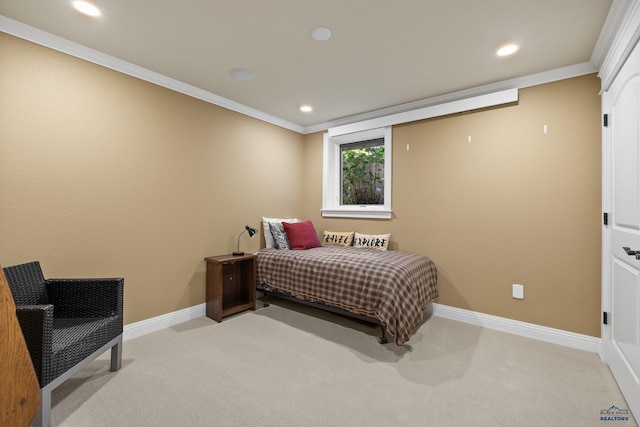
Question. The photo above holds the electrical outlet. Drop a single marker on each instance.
(518, 291)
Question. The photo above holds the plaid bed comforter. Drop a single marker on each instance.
(393, 286)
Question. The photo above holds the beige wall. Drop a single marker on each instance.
(514, 206)
(102, 174)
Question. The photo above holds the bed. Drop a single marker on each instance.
(390, 288)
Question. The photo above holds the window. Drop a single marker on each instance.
(362, 167)
(357, 175)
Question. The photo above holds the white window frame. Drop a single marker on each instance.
(331, 176)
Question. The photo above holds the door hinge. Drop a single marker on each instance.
(605, 120)
(605, 218)
(605, 318)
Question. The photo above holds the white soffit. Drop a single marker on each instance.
(468, 104)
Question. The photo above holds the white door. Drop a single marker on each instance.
(621, 296)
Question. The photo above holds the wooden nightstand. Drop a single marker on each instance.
(231, 285)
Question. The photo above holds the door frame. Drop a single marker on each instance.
(622, 40)
(607, 231)
(621, 32)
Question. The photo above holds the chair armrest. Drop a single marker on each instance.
(36, 322)
(86, 297)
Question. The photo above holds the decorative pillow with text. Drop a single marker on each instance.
(372, 241)
(340, 238)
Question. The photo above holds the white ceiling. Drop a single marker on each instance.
(382, 53)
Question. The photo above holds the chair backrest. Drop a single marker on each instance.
(26, 282)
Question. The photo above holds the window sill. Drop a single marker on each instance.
(357, 212)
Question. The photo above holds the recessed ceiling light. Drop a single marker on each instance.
(507, 50)
(242, 74)
(306, 108)
(321, 34)
(86, 8)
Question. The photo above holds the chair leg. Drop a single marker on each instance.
(43, 417)
(116, 355)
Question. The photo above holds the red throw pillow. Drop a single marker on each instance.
(301, 235)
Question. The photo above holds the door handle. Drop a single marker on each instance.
(631, 252)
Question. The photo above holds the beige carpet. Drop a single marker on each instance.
(289, 365)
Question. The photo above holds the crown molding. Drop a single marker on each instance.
(627, 24)
(60, 44)
(612, 24)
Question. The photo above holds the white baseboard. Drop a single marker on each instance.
(164, 321)
(529, 330)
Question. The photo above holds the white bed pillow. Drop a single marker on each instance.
(268, 237)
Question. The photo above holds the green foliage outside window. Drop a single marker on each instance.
(363, 175)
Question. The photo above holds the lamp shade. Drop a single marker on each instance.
(252, 231)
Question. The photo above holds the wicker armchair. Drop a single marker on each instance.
(66, 324)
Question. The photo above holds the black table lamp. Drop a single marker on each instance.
(252, 232)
